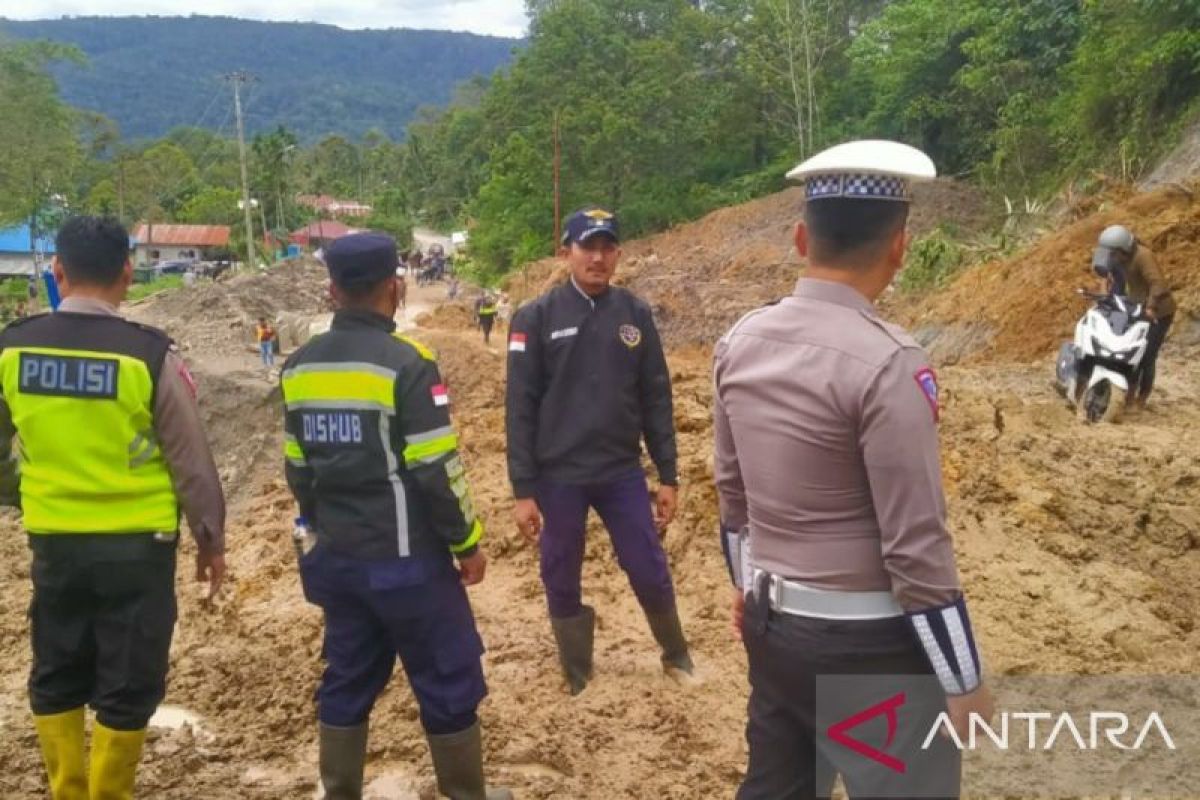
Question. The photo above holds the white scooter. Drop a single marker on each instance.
(1095, 372)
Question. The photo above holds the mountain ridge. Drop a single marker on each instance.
(313, 78)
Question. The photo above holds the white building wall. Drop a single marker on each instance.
(16, 264)
(165, 253)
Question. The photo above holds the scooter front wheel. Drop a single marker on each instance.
(1101, 403)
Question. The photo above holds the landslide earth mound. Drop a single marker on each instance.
(1077, 544)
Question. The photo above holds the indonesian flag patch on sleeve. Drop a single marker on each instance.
(188, 380)
(441, 397)
(516, 343)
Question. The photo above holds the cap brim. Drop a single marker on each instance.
(872, 157)
(588, 234)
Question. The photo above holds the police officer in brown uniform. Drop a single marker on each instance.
(832, 511)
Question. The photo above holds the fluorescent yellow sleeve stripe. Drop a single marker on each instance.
(291, 449)
(351, 387)
(471, 541)
(424, 351)
(430, 450)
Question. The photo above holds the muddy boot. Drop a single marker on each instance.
(458, 764)
(574, 636)
(343, 755)
(61, 738)
(114, 762)
(669, 635)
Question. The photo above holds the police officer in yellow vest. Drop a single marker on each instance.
(110, 447)
(486, 309)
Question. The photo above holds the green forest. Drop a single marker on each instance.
(662, 110)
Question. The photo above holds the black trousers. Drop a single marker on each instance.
(1154, 343)
(101, 620)
(486, 323)
(792, 756)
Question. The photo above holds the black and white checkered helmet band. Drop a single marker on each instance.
(858, 185)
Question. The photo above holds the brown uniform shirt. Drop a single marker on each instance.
(827, 448)
(180, 434)
(1145, 284)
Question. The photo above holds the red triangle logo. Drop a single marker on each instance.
(838, 732)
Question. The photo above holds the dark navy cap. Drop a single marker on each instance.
(361, 259)
(589, 222)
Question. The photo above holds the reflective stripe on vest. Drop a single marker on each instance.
(349, 385)
(89, 459)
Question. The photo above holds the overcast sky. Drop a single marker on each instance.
(497, 17)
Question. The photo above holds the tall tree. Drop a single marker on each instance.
(272, 156)
(37, 131)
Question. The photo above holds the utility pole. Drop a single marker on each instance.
(121, 187)
(262, 212)
(557, 196)
(237, 79)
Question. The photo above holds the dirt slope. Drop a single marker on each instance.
(1024, 306)
(701, 276)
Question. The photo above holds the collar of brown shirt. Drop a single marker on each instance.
(88, 305)
(830, 292)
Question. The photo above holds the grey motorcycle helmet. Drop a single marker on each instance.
(1117, 237)
(1113, 249)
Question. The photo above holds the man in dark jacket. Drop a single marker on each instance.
(587, 380)
(373, 462)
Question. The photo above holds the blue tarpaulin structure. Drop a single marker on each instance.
(16, 256)
(16, 240)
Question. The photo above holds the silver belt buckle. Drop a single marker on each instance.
(775, 593)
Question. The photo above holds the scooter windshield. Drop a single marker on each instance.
(1119, 312)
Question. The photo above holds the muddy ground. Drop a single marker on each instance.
(1078, 545)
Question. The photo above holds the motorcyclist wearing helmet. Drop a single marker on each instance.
(1129, 269)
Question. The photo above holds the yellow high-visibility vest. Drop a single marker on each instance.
(80, 389)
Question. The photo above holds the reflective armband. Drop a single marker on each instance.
(945, 635)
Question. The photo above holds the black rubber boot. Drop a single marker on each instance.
(458, 764)
(343, 756)
(575, 636)
(669, 635)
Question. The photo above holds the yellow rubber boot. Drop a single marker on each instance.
(115, 757)
(61, 737)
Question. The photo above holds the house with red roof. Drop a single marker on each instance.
(320, 233)
(157, 242)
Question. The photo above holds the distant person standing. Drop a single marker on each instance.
(265, 333)
(32, 290)
(485, 311)
(587, 381)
